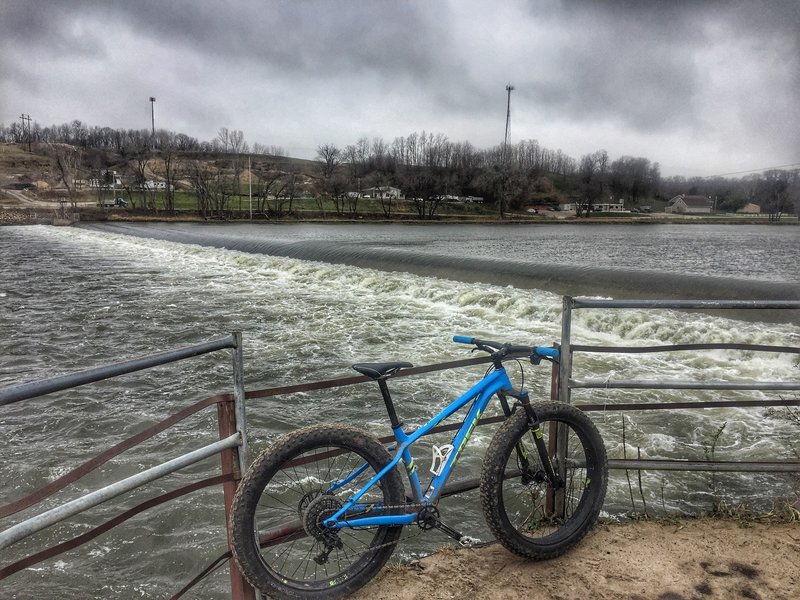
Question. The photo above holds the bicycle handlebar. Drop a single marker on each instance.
(492, 347)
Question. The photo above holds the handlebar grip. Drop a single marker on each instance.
(546, 352)
(462, 339)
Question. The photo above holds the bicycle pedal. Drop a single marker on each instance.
(467, 541)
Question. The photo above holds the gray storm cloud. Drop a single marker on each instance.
(655, 74)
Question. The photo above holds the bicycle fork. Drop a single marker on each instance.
(550, 474)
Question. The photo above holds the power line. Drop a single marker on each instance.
(797, 164)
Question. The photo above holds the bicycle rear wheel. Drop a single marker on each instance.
(289, 490)
(522, 509)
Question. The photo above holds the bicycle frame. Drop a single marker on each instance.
(479, 394)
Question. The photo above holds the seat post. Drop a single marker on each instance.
(387, 400)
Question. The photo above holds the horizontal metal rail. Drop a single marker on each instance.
(683, 347)
(687, 304)
(355, 379)
(706, 465)
(23, 391)
(59, 513)
(648, 384)
(692, 404)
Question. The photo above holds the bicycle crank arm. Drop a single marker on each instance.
(465, 541)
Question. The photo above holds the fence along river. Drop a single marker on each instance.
(74, 298)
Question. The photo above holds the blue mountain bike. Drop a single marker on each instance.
(320, 511)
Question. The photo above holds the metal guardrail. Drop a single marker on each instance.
(567, 383)
(232, 438)
(24, 391)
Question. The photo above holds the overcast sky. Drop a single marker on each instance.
(702, 88)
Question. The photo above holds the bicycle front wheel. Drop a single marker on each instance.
(278, 536)
(524, 511)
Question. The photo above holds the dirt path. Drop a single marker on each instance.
(689, 560)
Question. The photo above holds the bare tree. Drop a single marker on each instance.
(209, 187)
(773, 192)
(593, 172)
(330, 156)
(331, 185)
(168, 156)
(68, 160)
(268, 178)
(141, 161)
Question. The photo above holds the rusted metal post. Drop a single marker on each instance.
(565, 356)
(226, 416)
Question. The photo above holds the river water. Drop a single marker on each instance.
(311, 300)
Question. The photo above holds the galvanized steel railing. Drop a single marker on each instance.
(566, 383)
(232, 446)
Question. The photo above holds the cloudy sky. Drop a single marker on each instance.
(701, 87)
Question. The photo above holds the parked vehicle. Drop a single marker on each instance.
(114, 202)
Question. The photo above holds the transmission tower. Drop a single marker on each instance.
(505, 160)
(509, 89)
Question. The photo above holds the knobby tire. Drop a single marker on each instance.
(525, 514)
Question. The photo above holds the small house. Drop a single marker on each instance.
(696, 205)
(385, 192)
(750, 209)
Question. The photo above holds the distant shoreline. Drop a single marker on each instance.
(11, 215)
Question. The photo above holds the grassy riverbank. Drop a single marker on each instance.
(15, 213)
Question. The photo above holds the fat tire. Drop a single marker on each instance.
(501, 453)
(267, 465)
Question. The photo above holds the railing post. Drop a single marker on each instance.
(238, 398)
(565, 357)
(564, 376)
(226, 416)
(554, 376)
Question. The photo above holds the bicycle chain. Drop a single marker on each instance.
(406, 506)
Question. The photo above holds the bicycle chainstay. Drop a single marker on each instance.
(427, 519)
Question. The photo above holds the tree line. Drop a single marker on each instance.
(125, 141)
(429, 168)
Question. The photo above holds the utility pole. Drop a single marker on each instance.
(23, 117)
(509, 88)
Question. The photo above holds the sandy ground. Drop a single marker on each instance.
(687, 560)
